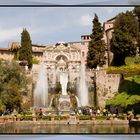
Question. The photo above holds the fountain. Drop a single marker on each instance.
(82, 89)
(64, 101)
(41, 88)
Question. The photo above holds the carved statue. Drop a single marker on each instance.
(63, 82)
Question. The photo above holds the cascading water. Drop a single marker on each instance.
(78, 102)
(83, 90)
(63, 82)
(54, 78)
(41, 88)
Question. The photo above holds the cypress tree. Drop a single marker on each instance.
(125, 37)
(96, 48)
(25, 51)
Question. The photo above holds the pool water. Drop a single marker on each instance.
(82, 128)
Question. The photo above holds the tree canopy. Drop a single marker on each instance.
(125, 37)
(96, 48)
(12, 82)
(25, 51)
(137, 13)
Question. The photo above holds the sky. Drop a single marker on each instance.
(49, 25)
(71, 137)
(69, 2)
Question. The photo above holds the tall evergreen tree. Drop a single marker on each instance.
(25, 51)
(137, 13)
(125, 37)
(96, 48)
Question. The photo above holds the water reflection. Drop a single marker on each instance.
(72, 129)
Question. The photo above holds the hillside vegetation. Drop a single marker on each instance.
(126, 70)
(128, 95)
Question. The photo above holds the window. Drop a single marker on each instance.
(83, 54)
(84, 37)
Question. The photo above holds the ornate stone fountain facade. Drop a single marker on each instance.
(62, 57)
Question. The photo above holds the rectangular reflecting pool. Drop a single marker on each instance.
(75, 129)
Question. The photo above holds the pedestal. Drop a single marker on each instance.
(64, 103)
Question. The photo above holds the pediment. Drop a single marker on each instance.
(62, 47)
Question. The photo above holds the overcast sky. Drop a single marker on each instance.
(72, 137)
(49, 25)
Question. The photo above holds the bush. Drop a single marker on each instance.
(130, 85)
(19, 116)
(124, 100)
(127, 71)
(43, 117)
(7, 116)
(132, 60)
(49, 117)
(2, 107)
(13, 82)
(102, 118)
(27, 113)
(35, 61)
(26, 118)
(121, 117)
(85, 117)
(61, 117)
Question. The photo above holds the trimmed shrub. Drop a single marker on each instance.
(27, 118)
(102, 118)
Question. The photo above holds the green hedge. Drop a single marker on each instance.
(26, 118)
(127, 71)
(47, 118)
(7, 116)
(85, 117)
(132, 60)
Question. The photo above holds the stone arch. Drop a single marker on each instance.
(64, 57)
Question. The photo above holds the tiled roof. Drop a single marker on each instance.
(4, 49)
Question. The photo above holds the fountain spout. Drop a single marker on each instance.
(83, 90)
(41, 88)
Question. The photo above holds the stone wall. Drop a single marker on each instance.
(107, 86)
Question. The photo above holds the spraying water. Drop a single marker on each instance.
(54, 77)
(83, 90)
(63, 82)
(41, 88)
(78, 102)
